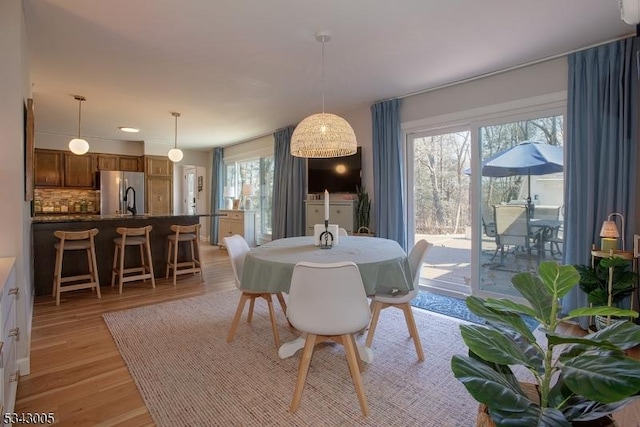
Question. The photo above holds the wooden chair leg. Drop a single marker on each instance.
(274, 325)
(59, 276)
(251, 305)
(142, 263)
(413, 330)
(303, 370)
(352, 358)
(376, 307)
(175, 262)
(282, 302)
(355, 345)
(121, 272)
(199, 259)
(236, 318)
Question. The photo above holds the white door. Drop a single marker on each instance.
(189, 191)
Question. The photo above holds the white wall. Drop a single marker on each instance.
(15, 87)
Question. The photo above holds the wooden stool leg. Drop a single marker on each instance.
(142, 263)
(175, 261)
(115, 265)
(193, 258)
(153, 278)
(121, 272)
(95, 278)
(168, 259)
(56, 273)
(59, 276)
(199, 259)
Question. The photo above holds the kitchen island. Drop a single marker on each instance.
(75, 262)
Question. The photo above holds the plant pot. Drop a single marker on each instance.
(484, 419)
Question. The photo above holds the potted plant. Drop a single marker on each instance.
(576, 378)
(607, 284)
(363, 209)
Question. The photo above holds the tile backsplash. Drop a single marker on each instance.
(57, 200)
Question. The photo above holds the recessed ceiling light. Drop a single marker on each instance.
(128, 129)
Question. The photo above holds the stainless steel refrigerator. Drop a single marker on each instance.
(121, 193)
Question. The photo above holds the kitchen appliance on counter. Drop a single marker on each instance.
(121, 193)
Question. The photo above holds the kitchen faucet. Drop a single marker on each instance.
(131, 209)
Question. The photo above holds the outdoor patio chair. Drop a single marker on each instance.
(513, 229)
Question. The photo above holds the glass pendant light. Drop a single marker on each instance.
(78, 145)
(175, 154)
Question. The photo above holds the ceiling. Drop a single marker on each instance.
(239, 69)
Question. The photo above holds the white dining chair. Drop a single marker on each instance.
(379, 302)
(342, 232)
(237, 248)
(328, 303)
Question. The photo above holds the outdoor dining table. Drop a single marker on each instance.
(383, 265)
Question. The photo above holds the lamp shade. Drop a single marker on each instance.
(609, 230)
(247, 190)
(323, 135)
(175, 155)
(229, 191)
(78, 146)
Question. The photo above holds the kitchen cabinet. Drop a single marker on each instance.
(48, 171)
(78, 171)
(158, 166)
(129, 164)
(239, 222)
(112, 162)
(107, 162)
(10, 334)
(159, 195)
(341, 212)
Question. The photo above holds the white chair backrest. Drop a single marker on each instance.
(416, 258)
(237, 248)
(342, 232)
(327, 299)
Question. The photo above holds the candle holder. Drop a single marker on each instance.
(326, 238)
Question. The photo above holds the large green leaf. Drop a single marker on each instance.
(625, 335)
(566, 339)
(499, 347)
(500, 314)
(488, 386)
(533, 290)
(601, 311)
(503, 370)
(601, 378)
(558, 279)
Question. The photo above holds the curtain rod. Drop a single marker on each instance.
(512, 68)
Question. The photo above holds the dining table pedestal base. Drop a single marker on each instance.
(290, 348)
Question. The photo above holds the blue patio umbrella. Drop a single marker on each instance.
(527, 158)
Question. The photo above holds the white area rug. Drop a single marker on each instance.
(189, 375)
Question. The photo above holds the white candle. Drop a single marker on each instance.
(326, 205)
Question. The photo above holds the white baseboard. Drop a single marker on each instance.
(24, 365)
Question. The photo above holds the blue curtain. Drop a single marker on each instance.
(388, 172)
(602, 136)
(289, 188)
(217, 192)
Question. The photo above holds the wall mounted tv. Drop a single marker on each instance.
(335, 174)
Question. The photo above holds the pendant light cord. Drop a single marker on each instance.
(175, 144)
(79, 115)
(323, 78)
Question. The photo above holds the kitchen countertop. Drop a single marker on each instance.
(90, 218)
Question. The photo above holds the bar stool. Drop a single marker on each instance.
(132, 237)
(75, 241)
(184, 233)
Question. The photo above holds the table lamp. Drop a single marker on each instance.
(247, 191)
(229, 194)
(609, 233)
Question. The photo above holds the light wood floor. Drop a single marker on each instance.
(76, 369)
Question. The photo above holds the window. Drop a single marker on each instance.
(252, 180)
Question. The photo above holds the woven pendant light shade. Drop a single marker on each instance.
(323, 135)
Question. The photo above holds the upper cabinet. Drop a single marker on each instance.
(48, 168)
(159, 166)
(57, 168)
(112, 162)
(78, 171)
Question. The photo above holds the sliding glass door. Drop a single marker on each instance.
(486, 225)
